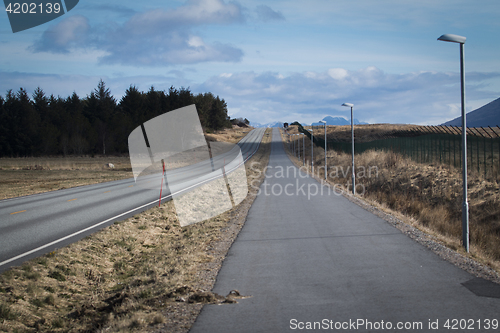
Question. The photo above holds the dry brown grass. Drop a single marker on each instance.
(25, 176)
(136, 275)
(363, 133)
(432, 195)
(428, 196)
(371, 132)
(232, 135)
(96, 163)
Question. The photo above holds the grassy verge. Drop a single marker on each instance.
(233, 135)
(426, 196)
(25, 176)
(144, 273)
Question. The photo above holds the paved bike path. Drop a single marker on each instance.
(307, 258)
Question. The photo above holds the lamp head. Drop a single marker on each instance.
(452, 38)
(348, 104)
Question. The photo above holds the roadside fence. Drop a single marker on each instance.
(432, 145)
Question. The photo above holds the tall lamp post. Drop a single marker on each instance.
(465, 205)
(326, 168)
(312, 150)
(352, 148)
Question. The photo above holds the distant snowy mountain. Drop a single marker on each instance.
(275, 124)
(256, 125)
(339, 121)
(486, 115)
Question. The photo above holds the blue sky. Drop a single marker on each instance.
(270, 60)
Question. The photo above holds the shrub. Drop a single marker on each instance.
(37, 302)
(6, 313)
(57, 275)
(49, 300)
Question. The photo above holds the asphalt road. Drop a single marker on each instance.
(320, 261)
(38, 224)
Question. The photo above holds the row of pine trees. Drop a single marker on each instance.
(97, 124)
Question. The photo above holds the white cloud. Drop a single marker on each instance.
(209, 11)
(419, 98)
(69, 33)
(379, 97)
(162, 37)
(159, 37)
(337, 73)
(195, 41)
(193, 13)
(267, 14)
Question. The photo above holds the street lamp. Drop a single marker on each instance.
(352, 148)
(465, 204)
(312, 150)
(324, 122)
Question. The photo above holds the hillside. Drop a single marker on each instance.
(487, 115)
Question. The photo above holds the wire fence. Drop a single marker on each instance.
(435, 144)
